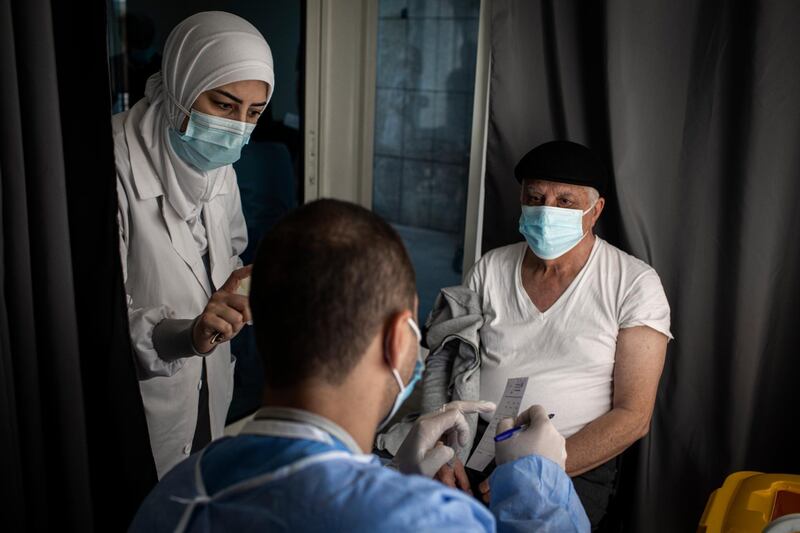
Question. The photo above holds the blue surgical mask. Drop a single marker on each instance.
(210, 142)
(405, 390)
(551, 231)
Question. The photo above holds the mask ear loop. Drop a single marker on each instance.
(583, 215)
(187, 113)
(395, 373)
(177, 103)
(416, 330)
(591, 206)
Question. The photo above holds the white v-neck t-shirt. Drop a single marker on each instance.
(568, 351)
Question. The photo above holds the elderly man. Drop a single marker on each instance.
(587, 323)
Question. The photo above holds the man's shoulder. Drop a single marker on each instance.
(377, 479)
(165, 503)
(365, 496)
(503, 253)
(632, 267)
(360, 494)
(502, 257)
(493, 265)
(399, 502)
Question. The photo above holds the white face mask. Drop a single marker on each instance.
(211, 142)
(552, 231)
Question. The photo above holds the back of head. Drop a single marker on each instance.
(325, 280)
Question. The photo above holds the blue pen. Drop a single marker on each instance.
(507, 434)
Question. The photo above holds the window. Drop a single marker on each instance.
(423, 117)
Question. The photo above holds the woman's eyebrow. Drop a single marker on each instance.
(237, 99)
(229, 95)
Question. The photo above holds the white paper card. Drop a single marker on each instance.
(508, 406)
(244, 287)
(244, 290)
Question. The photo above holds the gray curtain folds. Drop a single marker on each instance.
(74, 454)
(47, 429)
(696, 108)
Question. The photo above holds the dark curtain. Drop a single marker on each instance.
(696, 108)
(74, 453)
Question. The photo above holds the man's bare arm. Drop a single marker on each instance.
(639, 361)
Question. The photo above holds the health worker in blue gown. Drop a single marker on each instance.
(334, 305)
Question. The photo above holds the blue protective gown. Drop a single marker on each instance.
(293, 476)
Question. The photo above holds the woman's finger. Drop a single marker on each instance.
(236, 276)
(238, 302)
(228, 314)
(210, 324)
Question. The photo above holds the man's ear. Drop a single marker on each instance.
(598, 208)
(397, 338)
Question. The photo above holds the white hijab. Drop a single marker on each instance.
(204, 51)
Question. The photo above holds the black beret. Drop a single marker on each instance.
(564, 162)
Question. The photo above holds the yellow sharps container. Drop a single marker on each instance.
(748, 502)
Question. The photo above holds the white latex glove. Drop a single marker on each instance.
(419, 453)
(540, 438)
(456, 439)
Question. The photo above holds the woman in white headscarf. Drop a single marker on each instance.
(181, 224)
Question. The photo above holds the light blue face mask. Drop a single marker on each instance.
(405, 390)
(210, 142)
(552, 231)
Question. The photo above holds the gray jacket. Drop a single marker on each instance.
(452, 368)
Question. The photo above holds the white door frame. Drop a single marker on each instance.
(341, 57)
(473, 226)
(312, 107)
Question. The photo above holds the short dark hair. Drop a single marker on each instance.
(325, 279)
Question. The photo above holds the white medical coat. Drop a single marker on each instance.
(165, 278)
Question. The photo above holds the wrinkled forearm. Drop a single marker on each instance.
(604, 438)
